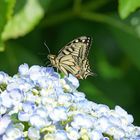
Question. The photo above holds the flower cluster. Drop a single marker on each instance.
(37, 104)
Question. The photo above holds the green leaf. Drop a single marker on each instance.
(3, 11)
(106, 70)
(24, 20)
(6, 12)
(57, 5)
(10, 10)
(15, 55)
(2, 87)
(14, 118)
(1, 45)
(129, 44)
(126, 7)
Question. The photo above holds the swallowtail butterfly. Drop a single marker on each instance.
(73, 58)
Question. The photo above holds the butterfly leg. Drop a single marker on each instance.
(47, 63)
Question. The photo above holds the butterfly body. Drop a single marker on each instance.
(53, 60)
(73, 58)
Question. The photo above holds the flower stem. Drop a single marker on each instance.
(104, 18)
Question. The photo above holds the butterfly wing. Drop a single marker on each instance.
(67, 64)
(85, 69)
(79, 47)
(73, 57)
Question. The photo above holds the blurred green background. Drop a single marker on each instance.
(114, 55)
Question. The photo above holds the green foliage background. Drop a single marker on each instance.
(114, 56)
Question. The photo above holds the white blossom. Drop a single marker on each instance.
(38, 104)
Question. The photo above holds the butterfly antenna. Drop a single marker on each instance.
(47, 47)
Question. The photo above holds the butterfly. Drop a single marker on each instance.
(73, 58)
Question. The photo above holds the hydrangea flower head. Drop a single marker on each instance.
(37, 104)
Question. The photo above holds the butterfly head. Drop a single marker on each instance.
(52, 59)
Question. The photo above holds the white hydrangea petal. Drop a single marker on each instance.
(14, 133)
(16, 95)
(82, 121)
(23, 69)
(102, 124)
(58, 114)
(73, 134)
(34, 72)
(117, 132)
(3, 109)
(61, 135)
(6, 100)
(4, 122)
(78, 96)
(96, 135)
(65, 99)
(124, 114)
(28, 107)
(33, 133)
(23, 116)
(72, 81)
(43, 112)
(39, 122)
(4, 77)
